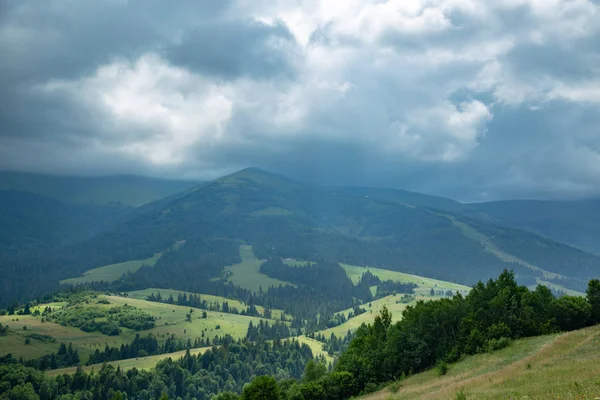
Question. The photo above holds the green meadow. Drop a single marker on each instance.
(165, 293)
(170, 319)
(424, 285)
(113, 272)
(247, 275)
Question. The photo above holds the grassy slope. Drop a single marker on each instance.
(139, 363)
(165, 293)
(87, 342)
(246, 274)
(112, 272)
(490, 247)
(373, 309)
(561, 366)
(424, 284)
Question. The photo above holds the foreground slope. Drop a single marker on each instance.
(563, 366)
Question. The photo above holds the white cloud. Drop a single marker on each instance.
(158, 111)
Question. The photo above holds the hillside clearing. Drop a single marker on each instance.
(393, 304)
(424, 285)
(113, 272)
(561, 366)
(170, 319)
(165, 293)
(138, 363)
(247, 275)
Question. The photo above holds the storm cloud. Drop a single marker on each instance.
(472, 99)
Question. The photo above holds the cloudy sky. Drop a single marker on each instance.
(472, 99)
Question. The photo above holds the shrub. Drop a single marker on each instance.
(497, 344)
(442, 368)
(395, 387)
(461, 395)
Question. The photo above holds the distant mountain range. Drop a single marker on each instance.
(43, 240)
(128, 190)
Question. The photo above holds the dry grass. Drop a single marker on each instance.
(547, 367)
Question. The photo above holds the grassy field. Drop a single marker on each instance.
(561, 366)
(85, 342)
(113, 272)
(165, 293)
(316, 347)
(139, 363)
(170, 319)
(424, 284)
(373, 309)
(246, 274)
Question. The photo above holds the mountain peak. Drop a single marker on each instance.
(261, 177)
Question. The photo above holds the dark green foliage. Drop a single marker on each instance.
(314, 370)
(3, 330)
(226, 368)
(264, 331)
(65, 357)
(572, 312)
(262, 388)
(442, 368)
(41, 338)
(226, 396)
(107, 321)
(593, 297)
(442, 331)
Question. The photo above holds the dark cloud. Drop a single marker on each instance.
(235, 48)
(473, 100)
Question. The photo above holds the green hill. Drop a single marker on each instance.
(561, 366)
(576, 223)
(119, 189)
(282, 218)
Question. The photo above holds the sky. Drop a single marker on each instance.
(472, 99)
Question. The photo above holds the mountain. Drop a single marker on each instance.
(283, 218)
(403, 196)
(291, 219)
(121, 189)
(576, 223)
(31, 223)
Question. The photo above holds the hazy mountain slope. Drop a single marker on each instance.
(32, 223)
(282, 217)
(576, 223)
(403, 196)
(128, 190)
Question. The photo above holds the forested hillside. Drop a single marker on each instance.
(286, 219)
